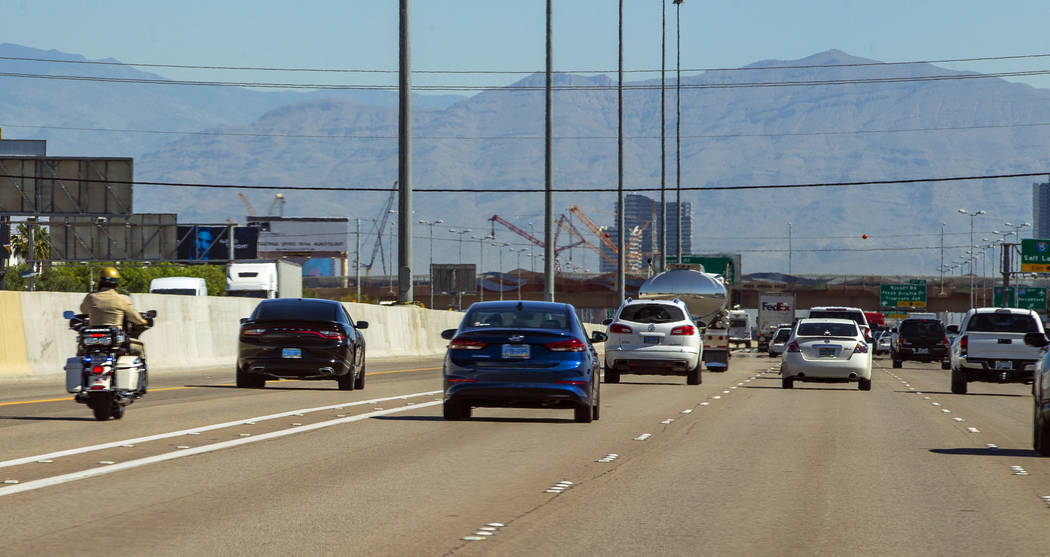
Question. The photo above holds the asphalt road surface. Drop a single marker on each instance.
(735, 466)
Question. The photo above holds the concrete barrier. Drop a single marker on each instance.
(193, 332)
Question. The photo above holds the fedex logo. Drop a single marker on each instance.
(778, 306)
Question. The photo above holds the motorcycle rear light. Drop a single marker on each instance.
(98, 369)
(571, 345)
(684, 330)
(466, 344)
(620, 328)
(793, 347)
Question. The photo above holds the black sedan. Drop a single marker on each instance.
(523, 354)
(301, 338)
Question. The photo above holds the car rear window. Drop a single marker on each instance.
(1002, 323)
(922, 329)
(298, 310)
(782, 335)
(652, 313)
(856, 316)
(825, 329)
(738, 323)
(517, 319)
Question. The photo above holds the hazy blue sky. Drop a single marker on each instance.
(508, 34)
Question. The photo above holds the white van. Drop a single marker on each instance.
(185, 286)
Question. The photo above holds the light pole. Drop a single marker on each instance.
(519, 251)
(661, 263)
(430, 271)
(481, 263)
(678, 125)
(461, 233)
(942, 258)
(500, 245)
(971, 214)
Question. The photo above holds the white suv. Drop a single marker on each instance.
(653, 337)
(838, 312)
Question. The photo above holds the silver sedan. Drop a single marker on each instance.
(827, 351)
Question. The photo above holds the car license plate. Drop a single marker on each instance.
(291, 352)
(650, 340)
(922, 350)
(1004, 364)
(520, 351)
(826, 353)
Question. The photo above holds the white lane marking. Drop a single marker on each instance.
(56, 480)
(496, 524)
(705, 404)
(249, 421)
(992, 446)
(667, 421)
(959, 419)
(484, 533)
(474, 538)
(716, 397)
(687, 411)
(946, 411)
(935, 403)
(643, 437)
(973, 430)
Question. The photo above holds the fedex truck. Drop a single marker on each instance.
(774, 309)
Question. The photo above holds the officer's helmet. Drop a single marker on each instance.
(108, 277)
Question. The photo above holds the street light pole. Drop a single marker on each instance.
(678, 124)
(942, 259)
(481, 263)
(662, 260)
(430, 271)
(971, 214)
(461, 233)
(621, 255)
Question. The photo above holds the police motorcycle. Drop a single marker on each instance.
(104, 374)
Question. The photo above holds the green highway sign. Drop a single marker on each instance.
(1022, 297)
(910, 295)
(725, 265)
(1035, 256)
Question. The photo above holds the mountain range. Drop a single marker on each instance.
(763, 125)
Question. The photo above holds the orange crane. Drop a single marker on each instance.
(515, 229)
(594, 228)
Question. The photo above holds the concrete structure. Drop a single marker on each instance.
(1041, 210)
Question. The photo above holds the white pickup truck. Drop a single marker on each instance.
(991, 348)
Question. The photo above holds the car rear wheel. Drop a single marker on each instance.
(455, 411)
(247, 380)
(864, 384)
(612, 376)
(359, 383)
(347, 381)
(1040, 434)
(584, 413)
(958, 383)
(693, 376)
(897, 363)
(787, 382)
(946, 364)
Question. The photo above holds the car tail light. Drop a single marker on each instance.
(333, 335)
(459, 380)
(686, 330)
(620, 328)
(466, 344)
(964, 343)
(862, 348)
(252, 332)
(793, 347)
(571, 345)
(946, 341)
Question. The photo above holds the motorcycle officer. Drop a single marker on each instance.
(108, 308)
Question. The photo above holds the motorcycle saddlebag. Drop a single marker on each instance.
(126, 374)
(74, 375)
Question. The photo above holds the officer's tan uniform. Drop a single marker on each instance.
(109, 308)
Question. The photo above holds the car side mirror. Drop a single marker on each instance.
(700, 324)
(361, 324)
(448, 334)
(68, 314)
(244, 320)
(598, 336)
(1036, 339)
(607, 321)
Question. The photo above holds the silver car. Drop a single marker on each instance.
(779, 342)
(827, 351)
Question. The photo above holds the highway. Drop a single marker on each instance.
(735, 466)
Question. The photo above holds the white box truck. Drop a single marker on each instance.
(773, 310)
(262, 278)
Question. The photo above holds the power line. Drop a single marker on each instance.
(507, 88)
(516, 72)
(530, 137)
(387, 189)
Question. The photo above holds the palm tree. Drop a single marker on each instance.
(41, 244)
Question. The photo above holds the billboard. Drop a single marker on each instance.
(314, 237)
(141, 237)
(61, 186)
(201, 242)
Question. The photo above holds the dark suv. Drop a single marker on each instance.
(921, 340)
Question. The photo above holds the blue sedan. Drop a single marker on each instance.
(521, 354)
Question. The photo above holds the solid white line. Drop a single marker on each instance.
(56, 480)
(197, 430)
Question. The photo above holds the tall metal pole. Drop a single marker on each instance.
(661, 264)
(548, 201)
(357, 261)
(678, 123)
(31, 228)
(789, 248)
(404, 170)
(621, 252)
(942, 258)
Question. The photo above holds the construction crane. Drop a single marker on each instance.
(583, 241)
(248, 206)
(594, 228)
(377, 249)
(557, 263)
(277, 207)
